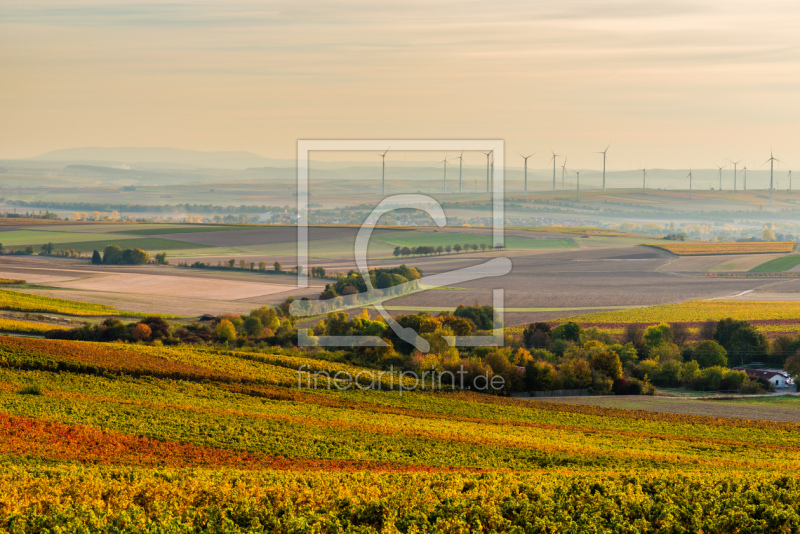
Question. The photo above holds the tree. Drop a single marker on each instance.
(262, 266)
(457, 248)
(112, 255)
(710, 354)
(448, 249)
(792, 366)
(47, 248)
(225, 331)
(608, 363)
(540, 376)
(742, 341)
(568, 331)
(397, 251)
(157, 325)
(253, 326)
(278, 267)
(96, 258)
(135, 256)
(161, 258)
(537, 335)
(767, 235)
(141, 332)
(655, 336)
(483, 247)
(231, 263)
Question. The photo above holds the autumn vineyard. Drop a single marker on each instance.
(140, 438)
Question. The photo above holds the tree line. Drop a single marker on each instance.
(427, 250)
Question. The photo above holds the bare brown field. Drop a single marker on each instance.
(584, 278)
(174, 286)
(180, 306)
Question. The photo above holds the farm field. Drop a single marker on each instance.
(778, 264)
(600, 272)
(135, 438)
(785, 408)
(773, 317)
(704, 249)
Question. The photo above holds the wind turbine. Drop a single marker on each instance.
(563, 173)
(578, 186)
(383, 172)
(604, 165)
(491, 175)
(444, 182)
(745, 177)
(772, 159)
(460, 159)
(790, 180)
(487, 168)
(554, 168)
(526, 170)
(720, 176)
(735, 163)
(644, 181)
(690, 183)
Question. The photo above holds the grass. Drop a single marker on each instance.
(184, 230)
(21, 238)
(778, 264)
(145, 243)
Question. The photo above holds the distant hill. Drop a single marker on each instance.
(160, 157)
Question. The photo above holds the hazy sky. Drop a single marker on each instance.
(669, 83)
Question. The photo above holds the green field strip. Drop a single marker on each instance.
(21, 238)
(144, 243)
(182, 230)
(778, 264)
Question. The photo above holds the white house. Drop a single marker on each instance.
(776, 378)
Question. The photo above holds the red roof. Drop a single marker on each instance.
(758, 373)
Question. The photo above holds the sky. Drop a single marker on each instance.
(669, 84)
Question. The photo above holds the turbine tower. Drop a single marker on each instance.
(578, 186)
(563, 173)
(735, 163)
(644, 181)
(460, 159)
(745, 178)
(720, 176)
(383, 172)
(690, 183)
(488, 154)
(444, 181)
(790, 180)
(772, 159)
(554, 168)
(604, 165)
(526, 170)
